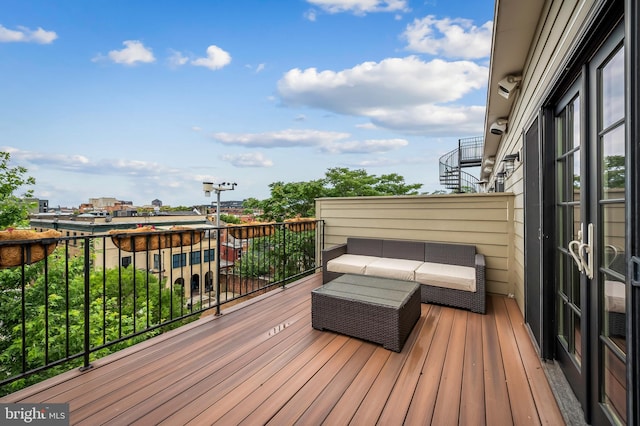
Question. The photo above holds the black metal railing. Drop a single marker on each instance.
(95, 295)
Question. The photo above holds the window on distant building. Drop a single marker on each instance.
(179, 260)
(126, 261)
(210, 255)
(156, 262)
(195, 257)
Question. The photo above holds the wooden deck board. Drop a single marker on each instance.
(472, 404)
(262, 362)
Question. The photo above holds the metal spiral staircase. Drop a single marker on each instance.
(468, 154)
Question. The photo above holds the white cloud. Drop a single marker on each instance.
(216, 59)
(310, 15)
(387, 90)
(26, 35)
(133, 53)
(260, 68)
(82, 164)
(176, 59)
(391, 82)
(364, 147)
(289, 138)
(360, 7)
(250, 159)
(327, 142)
(452, 38)
(432, 119)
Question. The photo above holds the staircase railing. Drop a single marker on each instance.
(467, 154)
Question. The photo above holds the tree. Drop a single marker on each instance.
(343, 182)
(14, 211)
(298, 198)
(292, 199)
(281, 255)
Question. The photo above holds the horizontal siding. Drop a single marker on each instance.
(484, 220)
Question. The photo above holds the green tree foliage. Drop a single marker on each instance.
(292, 199)
(614, 171)
(14, 211)
(229, 218)
(122, 302)
(298, 198)
(281, 255)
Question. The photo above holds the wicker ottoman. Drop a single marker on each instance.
(379, 310)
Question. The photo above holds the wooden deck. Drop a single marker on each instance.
(262, 363)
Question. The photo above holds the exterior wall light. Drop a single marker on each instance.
(500, 181)
(509, 162)
(508, 85)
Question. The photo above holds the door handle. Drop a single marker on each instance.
(582, 253)
(574, 250)
(587, 248)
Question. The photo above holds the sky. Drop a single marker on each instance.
(146, 99)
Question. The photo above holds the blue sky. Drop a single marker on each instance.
(147, 99)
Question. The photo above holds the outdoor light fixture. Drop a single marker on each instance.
(488, 164)
(509, 162)
(499, 126)
(508, 85)
(500, 181)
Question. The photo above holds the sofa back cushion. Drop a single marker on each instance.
(398, 249)
(364, 246)
(451, 254)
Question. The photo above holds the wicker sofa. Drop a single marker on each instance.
(449, 274)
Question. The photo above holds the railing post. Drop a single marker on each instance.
(218, 245)
(87, 303)
(284, 255)
(459, 165)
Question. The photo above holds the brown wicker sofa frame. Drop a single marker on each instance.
(447, 253)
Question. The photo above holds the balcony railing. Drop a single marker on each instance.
(98, 294)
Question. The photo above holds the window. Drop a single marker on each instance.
(156, 262)
(126, 261)
(195, 257)
(210, 255)
(179, 260)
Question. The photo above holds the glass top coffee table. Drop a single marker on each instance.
(380, 310)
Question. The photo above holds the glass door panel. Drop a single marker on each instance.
(612, 269)
(568, 225)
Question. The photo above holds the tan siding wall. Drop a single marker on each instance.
(558, 28)
(485, 220)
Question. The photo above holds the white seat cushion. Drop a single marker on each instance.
(398, 269)
(614, 296)
(448, 276)
(350, 263)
